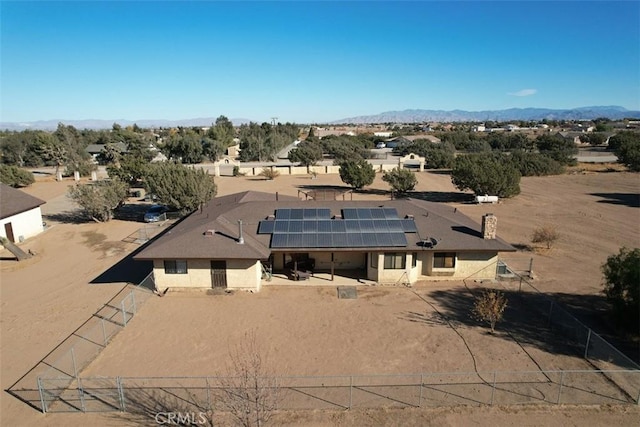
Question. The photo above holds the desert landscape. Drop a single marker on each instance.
(307, 331)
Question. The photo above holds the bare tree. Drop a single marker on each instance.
(250, 391)
(546, 234)
(489, 307)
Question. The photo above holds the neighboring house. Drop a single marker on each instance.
(236, 239)
(20, 215)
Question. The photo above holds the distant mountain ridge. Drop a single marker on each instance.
(405, 116)
(526, 114)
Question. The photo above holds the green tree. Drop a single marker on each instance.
(15, 176)
(594, 138)
(131, 169)
(622, 287)
(357, 173)
(626, 146)
(99, 200)
(401, 180)
(560, 149)
(180, 187)
(306, 153)
(185, 147)
(486, 173)
(53, 151)
(535, 164)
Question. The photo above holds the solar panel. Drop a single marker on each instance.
(394, 225)
(310, 213)
(364, 213)
(279, 241)
(377, 213)
(283, 213)
(409, 226)
(294, 240)
(369, 239)
(310, 240)
(266, 227)
(325, 241)
(310, 226)
(398, 239)
(295, 226)
(384, 239)
(390, 213)
(355, 239)
(296, 214)
(324, 226)
(352, 226)
(281, 226)
(338, 226)
(366, 225)
(380, 225)
(340, 240)
(324, 213)
(349, 213)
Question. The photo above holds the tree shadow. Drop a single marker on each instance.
(444, 196)
(68, 217)
(555, 323)
(628, 199)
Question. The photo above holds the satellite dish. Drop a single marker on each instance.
(430, 242)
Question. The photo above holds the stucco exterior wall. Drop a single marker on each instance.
(241, 274)
(25, 225)
(479, 265)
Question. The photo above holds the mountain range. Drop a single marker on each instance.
(525, 114)
(405, 116)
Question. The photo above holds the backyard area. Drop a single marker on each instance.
(309, 332)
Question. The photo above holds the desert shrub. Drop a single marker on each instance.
(269, 173)
(100, 199)
(546, 234)
(357, 173)
(489, 307)
(400, 180)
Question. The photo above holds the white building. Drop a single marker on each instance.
(20, 215)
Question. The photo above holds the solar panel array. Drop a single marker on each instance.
(359, 227)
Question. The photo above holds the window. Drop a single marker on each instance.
(444, 260)
(394, 261)
(175, 267)
(374, 260)
(414, 259)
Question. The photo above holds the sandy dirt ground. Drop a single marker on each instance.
(44, 299)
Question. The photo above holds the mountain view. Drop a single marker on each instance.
(405, 116)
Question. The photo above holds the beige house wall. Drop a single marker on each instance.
(241, 274)
(479, 265)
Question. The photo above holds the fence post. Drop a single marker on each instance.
(209, 406)
(586, 347)
(350, 391)
(42, 399)
(124, 314)
(530, 266)
(120, 388)
(421, 387)
(493, 388)
(560, 389)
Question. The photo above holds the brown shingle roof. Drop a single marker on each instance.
(189, 238)
(14, 201)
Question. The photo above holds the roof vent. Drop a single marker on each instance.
(409, 216)
(271, 217)
(337, 216)
(210, 232)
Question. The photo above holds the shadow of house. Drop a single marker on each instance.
(443, 196)
(527, 320)
(628, 199)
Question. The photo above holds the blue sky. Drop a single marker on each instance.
(304, 61)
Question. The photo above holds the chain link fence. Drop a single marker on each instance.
(149, 396)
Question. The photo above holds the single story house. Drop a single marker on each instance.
(20, 214)
(238, 241)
